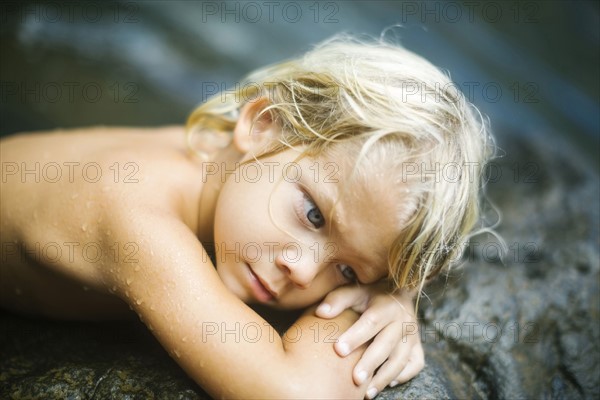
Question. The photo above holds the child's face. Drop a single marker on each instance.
(277, 241)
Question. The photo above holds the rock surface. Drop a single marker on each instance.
(526, 326)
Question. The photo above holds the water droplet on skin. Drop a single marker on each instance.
(177, 354)
(151, 252)
(152, 308)
(113, 289)
(151, 327)
(84, 227)
(138, 302)
(127, 293)
(184, 339)
(136, 269)
(128, 281)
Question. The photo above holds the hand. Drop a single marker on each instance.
(396, 349)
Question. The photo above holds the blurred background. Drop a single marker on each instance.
(531, 66)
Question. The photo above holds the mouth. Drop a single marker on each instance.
(261, 290)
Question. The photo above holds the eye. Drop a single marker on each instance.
(311, 212)
(348, 273)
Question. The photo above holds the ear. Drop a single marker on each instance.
(255, 127)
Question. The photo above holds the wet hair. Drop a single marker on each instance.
(400, 115)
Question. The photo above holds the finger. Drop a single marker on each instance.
(380, 313)
(376, 354)
(340, 299)
(363, 330)
(392, 368)
(416, 363)
(389, 371)
(406, 356)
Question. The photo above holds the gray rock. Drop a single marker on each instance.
(526, 327)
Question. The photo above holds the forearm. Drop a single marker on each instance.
(223, 345)
(247, 358)
(321, 372)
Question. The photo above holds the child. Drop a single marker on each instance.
(320, 176)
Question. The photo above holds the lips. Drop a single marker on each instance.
(260, 289)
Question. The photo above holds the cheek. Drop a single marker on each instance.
(243, 221)
(236, 209)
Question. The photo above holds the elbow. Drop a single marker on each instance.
(326, 390)
(315, 386)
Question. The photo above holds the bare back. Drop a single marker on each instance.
(65, 184)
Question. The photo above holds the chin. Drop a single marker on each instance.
(288, 306)
(234, 287)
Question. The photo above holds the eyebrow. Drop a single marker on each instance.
(323, 199)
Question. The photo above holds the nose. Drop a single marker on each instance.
(299, 265)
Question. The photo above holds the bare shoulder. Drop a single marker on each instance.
(82, 167)
(73, 176)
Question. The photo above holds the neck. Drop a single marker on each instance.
(212, 173)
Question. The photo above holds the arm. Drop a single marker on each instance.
(178, 294)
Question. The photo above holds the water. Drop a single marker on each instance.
(531, 66)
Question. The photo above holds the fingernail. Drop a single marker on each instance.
(371, 393)
(324, 308)
(343, 348)
(393, 383)
(361, 376)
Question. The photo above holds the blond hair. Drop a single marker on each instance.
(402, 112)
